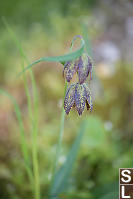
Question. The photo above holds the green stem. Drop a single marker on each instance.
(58, 149)
(33, 115)
(35, 165)
(35, 143)
(24, 147)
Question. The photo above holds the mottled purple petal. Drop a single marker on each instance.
(88, 97)
(80, 98)
(69, 98)
(84, 67)
(69, 69)
(87, 105)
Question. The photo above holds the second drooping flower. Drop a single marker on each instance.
(82, 65)
(78, 95)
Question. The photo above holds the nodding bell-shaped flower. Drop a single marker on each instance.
(70, 69)
(78, 95)
(83, 66)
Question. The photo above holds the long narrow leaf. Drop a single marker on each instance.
(23, 57)
(62, 176)
(18, 114)
(23, 140)
(62, 59)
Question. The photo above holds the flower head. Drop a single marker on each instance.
(83, 66)
(70, 69)
(78, 95)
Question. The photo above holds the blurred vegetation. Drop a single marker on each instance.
(45, 28)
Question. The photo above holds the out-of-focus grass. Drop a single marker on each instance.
(107, 144)
(34, 179)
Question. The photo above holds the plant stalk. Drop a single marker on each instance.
(58, 149)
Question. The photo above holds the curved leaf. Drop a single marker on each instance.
(62, 59)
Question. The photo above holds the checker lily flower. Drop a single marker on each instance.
(78, 95)
(83, 66)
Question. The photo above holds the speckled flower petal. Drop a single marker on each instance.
(69, 98)
(69, 69)
(80, 98)
(84, 67)
(89, 104)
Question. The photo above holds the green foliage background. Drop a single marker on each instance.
(46, 28)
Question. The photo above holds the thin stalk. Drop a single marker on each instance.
(34, 133)
(35, 164)
(58, 149)
(33, 115)
(35, 144)
(24, 147)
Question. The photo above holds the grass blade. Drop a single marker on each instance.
(33, 114)
(62, 176)
(24, 147)
(18, 114)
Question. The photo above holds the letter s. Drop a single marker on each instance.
(123, 173)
